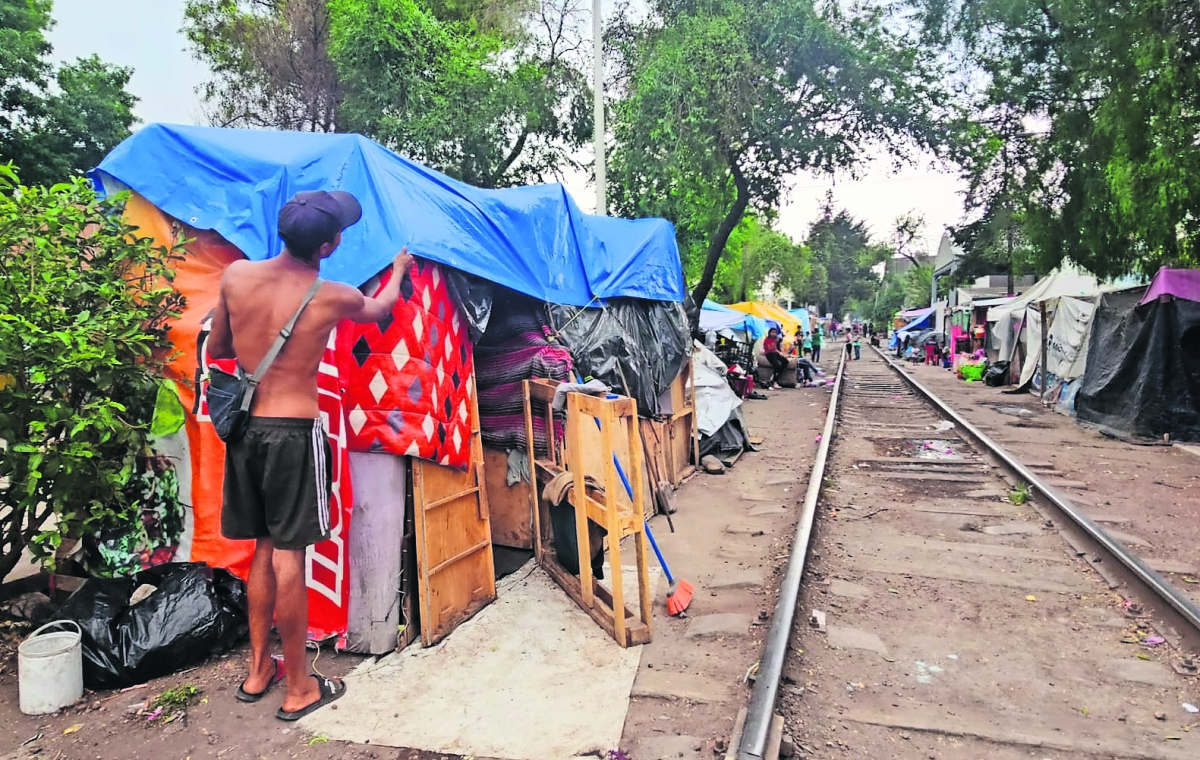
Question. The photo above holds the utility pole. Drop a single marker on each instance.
(598, 56)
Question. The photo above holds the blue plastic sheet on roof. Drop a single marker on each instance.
(923, 321)
(534, 240)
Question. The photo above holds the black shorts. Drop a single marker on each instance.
(277, 483)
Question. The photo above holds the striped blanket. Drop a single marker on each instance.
(514, 349)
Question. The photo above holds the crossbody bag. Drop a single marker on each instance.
(230, 396)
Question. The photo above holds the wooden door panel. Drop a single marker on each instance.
(456, 574)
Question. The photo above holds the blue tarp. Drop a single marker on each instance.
(802, 316)
(715, 316)
(534, 240)
(922, 320)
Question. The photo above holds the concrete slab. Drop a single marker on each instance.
(1059, 483)
(735, 579)
(970, 574)
(1149, 672)
(1013, 529)
(848, 590)
(986, 493)
(855, 638)
(940, 476)
(1171, 566)
(661, 683)
(1109, 519)
(767, 511)
(1128, 538)
(506, 669)
(746, 530)
(663, 747)
(719, 625)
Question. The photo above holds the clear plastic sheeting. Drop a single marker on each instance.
(534, 240)
(635, 346)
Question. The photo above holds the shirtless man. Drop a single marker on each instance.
(277, 478)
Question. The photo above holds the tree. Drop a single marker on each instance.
(770, 258)
(270, 63)
(1110, 176)
(842, 255)
(489, 93)
(724, 99)
(918, 282)
(84, 306)
(55, 122)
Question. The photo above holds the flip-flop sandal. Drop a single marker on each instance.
(246, 696)
(331, 691)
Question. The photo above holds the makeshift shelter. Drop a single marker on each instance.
(1142, 376)
(1016, 325)
(770, 312)
(398, 399)
(803, 317)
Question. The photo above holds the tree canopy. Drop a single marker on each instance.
(1087, 117)
(55, 121)
(490, 93)
(720, 101)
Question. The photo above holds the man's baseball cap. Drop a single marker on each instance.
(312, 218)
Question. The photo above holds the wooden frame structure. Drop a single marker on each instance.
(455, 570)
(615, 511)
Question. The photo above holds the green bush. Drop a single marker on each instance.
(84, 310)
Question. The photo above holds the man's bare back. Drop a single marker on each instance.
(258, 298)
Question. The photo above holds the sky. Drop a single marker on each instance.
(144, 35)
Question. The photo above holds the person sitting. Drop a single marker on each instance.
(773, 354)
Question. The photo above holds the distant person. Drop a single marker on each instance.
(808, 344)
(779, 362)
(931, 350)
(857, 346)
(817, 340)
(797, 341)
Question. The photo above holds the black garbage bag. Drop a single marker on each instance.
(194, 611)
(996, 375)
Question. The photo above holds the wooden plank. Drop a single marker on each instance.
(613, 512)
(377, 535)
(454, 550)
(511, 507)
(575, 421)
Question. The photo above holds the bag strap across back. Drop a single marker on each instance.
(284, 333)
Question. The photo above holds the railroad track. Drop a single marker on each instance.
(929, 616)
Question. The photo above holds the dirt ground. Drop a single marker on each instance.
(733, 533)
(957, 624)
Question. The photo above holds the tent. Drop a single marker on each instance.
(769, 311)
(919, 319)
(1142, 376)
(804, 318)
(715, 317)
(1021, 317)
(404, 387)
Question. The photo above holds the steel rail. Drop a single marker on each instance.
(1175, 599)
(753, 742)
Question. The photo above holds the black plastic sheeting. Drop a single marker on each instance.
(730, 437)
(475, 296)
(630, 344)
(194, 611)
(1143, 369)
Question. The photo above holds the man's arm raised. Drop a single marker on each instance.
(375, 309)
